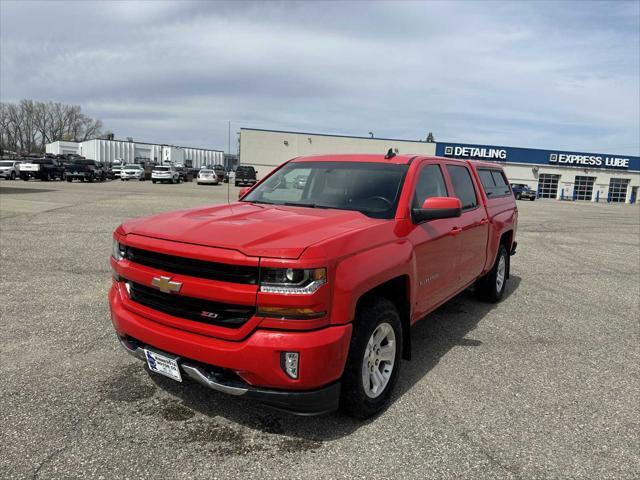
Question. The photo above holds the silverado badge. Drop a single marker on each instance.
(164, 284)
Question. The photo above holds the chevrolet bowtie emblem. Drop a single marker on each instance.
(164, 284)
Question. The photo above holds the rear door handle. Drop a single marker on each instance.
(455, 231)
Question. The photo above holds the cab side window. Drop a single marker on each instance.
(463, 186)
(430, 184)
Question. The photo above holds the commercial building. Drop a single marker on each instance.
(109, 151)
(557, 174)
(266, 149)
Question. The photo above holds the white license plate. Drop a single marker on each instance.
(163, 365)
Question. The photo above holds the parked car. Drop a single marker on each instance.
(165, 173)
(219, 169)
(301, 181)
(245, 175)
(9, 169)
(44, 168)
(304, 299)
(132, 171)
(85, 170)
(523, 191)
(182, 172)
(116, 170)
(207, 177)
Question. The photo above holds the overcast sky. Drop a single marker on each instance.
(546, 75)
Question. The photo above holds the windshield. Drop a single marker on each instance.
(206, 171)
(83, 162)
(133, 166)
(6, 164)
(370, 188)
(161, 169)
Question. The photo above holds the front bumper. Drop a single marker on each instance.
(314, 402)
(253, 363)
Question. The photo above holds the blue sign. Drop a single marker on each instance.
(493, 153)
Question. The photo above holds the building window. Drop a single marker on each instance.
(618, 189)
(548, 185)
(583, 187)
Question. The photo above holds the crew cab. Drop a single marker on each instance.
(43, 168)
(9, 169)
(523, 191)
(165, 173)
(303, 298)
(85, 170)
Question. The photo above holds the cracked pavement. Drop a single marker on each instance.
(542, 385)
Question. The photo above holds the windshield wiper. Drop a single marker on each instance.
(296, 204)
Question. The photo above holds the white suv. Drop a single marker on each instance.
(9, 169)
(165, 173)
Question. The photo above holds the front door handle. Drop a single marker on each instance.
(484, 221)
(455, 231)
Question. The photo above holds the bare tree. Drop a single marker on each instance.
(29, 125)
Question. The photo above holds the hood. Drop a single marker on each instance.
(254, 230)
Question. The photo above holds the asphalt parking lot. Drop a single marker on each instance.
(542, 385)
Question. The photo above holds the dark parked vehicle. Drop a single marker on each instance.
(523, 191)
(182, 172)
(43, 168)
(220, 173)
(245, 175)
(86, 170)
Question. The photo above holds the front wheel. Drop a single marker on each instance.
(374, 359)
(69, 179)
(518, 196)
(153, 181)
(13, 176)
(491, 287)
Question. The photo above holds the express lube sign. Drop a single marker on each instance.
(589, 160)
(534, 156)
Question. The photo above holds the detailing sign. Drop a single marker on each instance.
(534, 156)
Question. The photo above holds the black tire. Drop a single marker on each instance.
(532, 199)
(237, 183)
(69, 179)
(487, 287)
(353, 399)
(25, 178)
(518, 196)
(12, 176)
(141, 179)
(153, 181)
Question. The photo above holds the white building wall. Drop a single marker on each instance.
(62, 147)
(265, 150)
(529, 174)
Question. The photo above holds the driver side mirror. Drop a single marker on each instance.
(435, 208)
(243, 191)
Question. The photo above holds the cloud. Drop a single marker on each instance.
(556, 75)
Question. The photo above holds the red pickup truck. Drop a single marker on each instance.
(302, 294)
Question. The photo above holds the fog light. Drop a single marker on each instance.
(289, 363)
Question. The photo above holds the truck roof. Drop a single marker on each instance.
(403, 159)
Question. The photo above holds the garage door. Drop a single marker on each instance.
(583, 187)
(618, 189)
(548, 185)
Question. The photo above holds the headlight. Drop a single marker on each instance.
(118, 250)
(291, 280)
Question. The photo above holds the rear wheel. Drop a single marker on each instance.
(518, 196)
(153, 181)
(13, 176)
(374, 359)
(69, 179)
(491, 287)
(25, 178)
(532, 198)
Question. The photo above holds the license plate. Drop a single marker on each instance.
(163, 365)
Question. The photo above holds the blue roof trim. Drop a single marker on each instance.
(536, 156)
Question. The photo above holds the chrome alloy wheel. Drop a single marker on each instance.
(500, 274)
(378, 361)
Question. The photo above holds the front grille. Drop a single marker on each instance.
(223, 272)
(196, 309)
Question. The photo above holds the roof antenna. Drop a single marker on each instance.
(390, 154)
